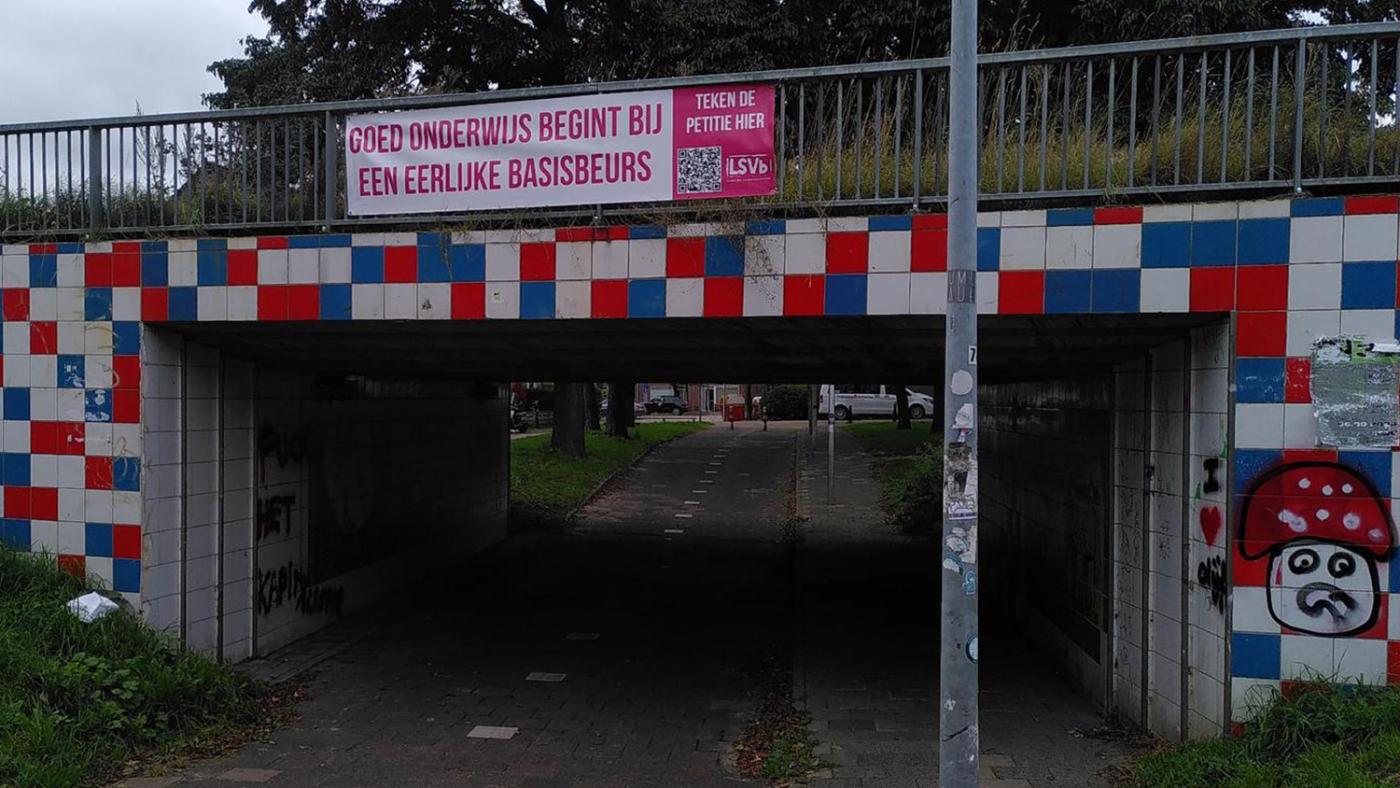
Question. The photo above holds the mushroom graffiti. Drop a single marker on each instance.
(1322, 527)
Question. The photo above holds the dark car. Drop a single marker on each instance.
(669, 403)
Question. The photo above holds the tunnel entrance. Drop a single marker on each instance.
(315, 469)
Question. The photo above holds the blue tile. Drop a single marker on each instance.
(97, 405)
(14, 469)
(15, 534)
(16, 401)
(1317, 206)
(154, 247)
(439, 240)
(883, 223)
(126, 474)
(1254, 656)
(1374, 465)
(988, 248)
(1068, 292)
(303, 242)
(536, 300)
(846, 294)
(1368, 285)
(98, 540)
(1392, 572)
(126, 575)
(367, 264)
(69, 247)
(646, 298)
(642, 231)
(1064, 217)
(335, 302)
(724, 255)
(1249, 463)
(155, 269)
(212, 267)
(1259, 380)
(1117, 289)
(97, 303)
(432, 263)
(332, 240)
(1264, 241)
(184, 303)
(1213, 243)
(1166, 244)
(43, 270)
(468, 263)
(72, 372)
(126, 337)
(211, 244)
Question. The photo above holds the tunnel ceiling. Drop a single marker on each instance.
(782, 349)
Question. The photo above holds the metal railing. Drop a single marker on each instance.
(1270, 111)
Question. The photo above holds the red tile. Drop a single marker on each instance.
(616, 232)
(14, 304)
(400, 264)
(43, 503)
(126, 269)
(72, 437)
(126, 406)
(930, 221)
(43, 437)
(43, 338)
(1212, 289)
(126, 541)
(98, 473)
(155, 303)
(272, 302)
(1130, 214)
(126, 372)
(1297, 379)
(1021, 292)
(270, 242)
(804, 294)
(468, 301)
(847, 253)
(928, 250)
(97, 269)
(1262, 287)
(243, 267)
(1387, 203)
(303, 302)
(685, 257)
(1261, 334)
(43, 248)
(17, 503)
(537, 262)
(1392, 662)
(126, 247)
(1249, 572)
(75, 565)
(573, 234)
(724, 296)
(609, 298)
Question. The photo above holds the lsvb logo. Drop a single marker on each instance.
(744, 166)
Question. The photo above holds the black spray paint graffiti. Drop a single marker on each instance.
(1211, 575)
(275, 514)
(284, 446)
(1322, 527)
(290, 584)
(1211, 466)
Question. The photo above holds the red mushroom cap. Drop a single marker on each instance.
(1315, 502)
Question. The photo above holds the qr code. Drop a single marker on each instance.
(698, 170)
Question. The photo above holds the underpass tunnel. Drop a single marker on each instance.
(302, 472)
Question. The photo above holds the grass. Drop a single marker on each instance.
(908, 465)
(548, 484)
(1320, 733)
(79, 702)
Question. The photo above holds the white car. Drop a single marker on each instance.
(853, 401)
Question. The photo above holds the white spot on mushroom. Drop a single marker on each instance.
(1326, 489)
(1323, 514)
(1294, 522)
(1376, 534)
(1351, 520)
(1304, 483)
(1347, 488)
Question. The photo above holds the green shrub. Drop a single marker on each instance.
(914, 491)
(786, 403)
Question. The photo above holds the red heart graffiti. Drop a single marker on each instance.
(1210, 523)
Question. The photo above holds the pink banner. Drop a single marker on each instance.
(724, 141)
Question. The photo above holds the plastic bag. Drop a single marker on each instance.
(91, 606)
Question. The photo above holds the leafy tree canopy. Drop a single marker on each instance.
(321, 50)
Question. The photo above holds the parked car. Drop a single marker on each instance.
(853, 401)
(668, 403)
(638, 409)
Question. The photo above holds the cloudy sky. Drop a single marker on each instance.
(84, 58)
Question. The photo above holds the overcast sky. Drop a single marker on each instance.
(62, 59)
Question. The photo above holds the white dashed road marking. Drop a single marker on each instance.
(492, 732)
(548, 677)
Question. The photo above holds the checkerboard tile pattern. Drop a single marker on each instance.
(1291, 270)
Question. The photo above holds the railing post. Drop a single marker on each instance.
(332, 143)
(1299, 82)
(919, 136)
(96, 221)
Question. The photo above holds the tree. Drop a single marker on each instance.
(621, 395)
(901, 408)
(570, 415)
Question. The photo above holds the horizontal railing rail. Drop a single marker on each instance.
(1266, 111)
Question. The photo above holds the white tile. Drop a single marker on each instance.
(800, 227)
(1360, 659)
(126, 303)
(1022, 249)
(887, 294)
(1118, 246)
(43, 303)
(182, 244)
(1375, 324)
(211, 303)
(573, 299)
(535, 235)
(987, 286)
(764, 255)
(1035, 218)
(474, 236)
(763, 296)
(1206, 211)
(1302, 656)
(335, 265)
(574, 260)
(503, 300)
(367, 239)
(1259, 426)
(303, 266)
(367, 301)
(1305, 326)
(184, 269)
(1369, 237)
(889, 251)
(70, 336)
(702, 230)
(400, 239)
(69, 303)
(494, 237)
(71, 272)
(1248, 696)
(400, 301)
(805, 253)
(71, 405)
(1166, 213)
(434, 301)
(1265, 209)
(847, 224)
(43, 537)
(1315, 286)
(684, 297)
(1299, 426)
(646, 258)
(609, 259)
(14, 271)
(1315, 239)
(97, 337)
(244, 242)
(242, 302)
(1166, 290)
(989, 218)
(72, 537)
(1069, 247)
(502, 264)
(928, 293)
(272, 266)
